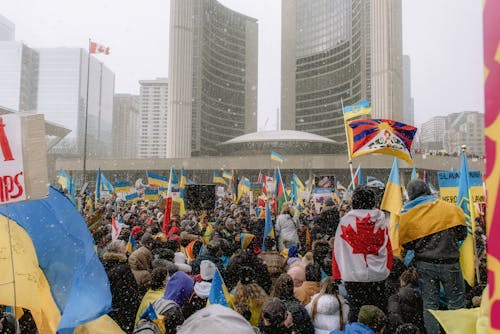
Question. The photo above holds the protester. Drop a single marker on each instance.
(275, 318)
(362, 255)
(159, 279)
(327, 222)
(432, 229)
(273, 260)
(298, 275)
(201, 290)
(124, 291)
(371, 320)
(140, 262)
(328, 310)
(286, 227)
(216, 319)
(283, 289)
(311, 285)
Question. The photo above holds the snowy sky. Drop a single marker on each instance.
(442, 37)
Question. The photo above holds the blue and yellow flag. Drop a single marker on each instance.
(122, 187)
(414, 174)
(243, 188)
(133, 197)
(392, 202)
(98, 186)
(173, 177)
(149, 313)
(184, 179)
(218, 291)
(227, 174)
(246, 239)
(151, 194)
(131, 244)
(63, 179)
(157, 180)
(64, 247)
(105, 184)
(297, 189)
(467, 251)
(360, 109)
(217, 178)
(268, 227)
(277, 157)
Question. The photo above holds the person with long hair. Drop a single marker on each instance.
(249, 297)
(283, 289)
(328, 310)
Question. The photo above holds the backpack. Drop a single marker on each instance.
(146, 327)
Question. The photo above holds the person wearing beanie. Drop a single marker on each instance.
(140, 262)
(124, 291)
(362, 253)
(432, 229)
(248, 297)
(201, 290)
(371, 320)
(216, 319)
(212, 253)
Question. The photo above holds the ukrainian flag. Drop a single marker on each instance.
(360, 109)
(464, 201)
(131, 244)
(133, 197)
(105, 184)
(268, 227)
(184, 179)
(392, 202)
(277, 157)
(227, 174)
(63, 179)
(246, 239)
(217, 178)
(122, 187)
(157, 180)
(151, 194)
(218, 291)
(243, 188)
(59, 277)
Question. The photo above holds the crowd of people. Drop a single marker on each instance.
(326, 271)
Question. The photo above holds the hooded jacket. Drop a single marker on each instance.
(327, 313)
(179, 288)
(355, 328)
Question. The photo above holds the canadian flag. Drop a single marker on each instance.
(362, 248)
(98, 48)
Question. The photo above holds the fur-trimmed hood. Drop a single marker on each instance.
(119, 257)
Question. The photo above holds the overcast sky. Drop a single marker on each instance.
(442, 37)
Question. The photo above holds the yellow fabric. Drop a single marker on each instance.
(208, 233)
(392, 202)
(182, 210)
(427, 219)
(101, 325)
(32, 288)
(493, 267)
(150, 297)
(457, 321)
(254, 308)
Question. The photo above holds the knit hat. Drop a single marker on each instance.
(372, 317)
(417, 188)
(207, 270)
(247, 275)
(216, 319)
(135, 230)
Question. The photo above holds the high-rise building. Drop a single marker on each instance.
(153, 118)
(18, 76)
(7, 29)
(386, 61)
(408, 102)
(62, 94)
(433, 134)
(325, 61)
(466, 128)
(212, 77)
(126, 119)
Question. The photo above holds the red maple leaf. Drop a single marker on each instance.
(364, 240)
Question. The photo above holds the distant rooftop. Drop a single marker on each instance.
(280, 135)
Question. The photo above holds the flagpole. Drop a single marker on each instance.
(347, 141)
(84, 171)
(11, 262)
(282, 184)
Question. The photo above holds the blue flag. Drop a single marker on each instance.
(149, 313)
(98, 186)
(65, 251)
(268, 227)
(217, 295)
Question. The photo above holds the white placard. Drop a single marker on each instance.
(12, 186)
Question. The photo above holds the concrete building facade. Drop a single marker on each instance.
(466, 128)
(126, 119)
(325, 60)
(433, 134)
(408, 102)
(153, 113)
(7, 29)
(213, 77)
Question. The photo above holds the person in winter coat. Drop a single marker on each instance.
(283, 289)
(327, 222)
(362, 255)
(159, 279)
(216, 319)
(212, 253)
(247, 259)
(125, 296)
(406, 306)
(328, 310)
(276, 319)
(311, 286)
(201, 290)
(275, 262)
(140, 262)
(371, 320)
(286, 227)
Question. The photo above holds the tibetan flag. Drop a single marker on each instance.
(132, 197)
(63, 179)
(105, 184)
(74, 287)
(157, 180)
(122, 187)
(279, 191)
(246, 239)
(414, 174)
(217, 178)
(184, 179)
(98, 48)
(218, 291)
(98, 186)
(464, 201)
(360, 109)
(277, 157)
(268, 227)
(131, 244)
(151, 194)
(227, 174)
(382, 136)
(392, 202)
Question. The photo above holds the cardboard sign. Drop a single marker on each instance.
(449, 181)
(23, 163)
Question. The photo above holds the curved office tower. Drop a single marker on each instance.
(212, 77)
(325, 60)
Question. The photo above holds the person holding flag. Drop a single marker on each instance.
(433, 229)
(286, 227)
